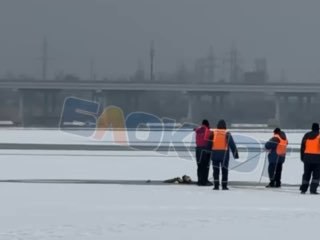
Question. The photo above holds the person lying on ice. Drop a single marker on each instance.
(184, 180)
(277, 147)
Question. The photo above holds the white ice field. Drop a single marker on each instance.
(112, 211)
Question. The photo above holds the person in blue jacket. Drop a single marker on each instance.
(221, 143)
(277, 147)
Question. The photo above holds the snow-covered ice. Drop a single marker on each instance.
(76, 212)
(99, 212)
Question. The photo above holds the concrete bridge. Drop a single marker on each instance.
(101, 90)
(295, 88)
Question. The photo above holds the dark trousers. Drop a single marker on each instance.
(275, 170)
(218, 164)
(203, 163)
(314, 170)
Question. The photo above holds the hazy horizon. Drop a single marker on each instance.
(117, 35)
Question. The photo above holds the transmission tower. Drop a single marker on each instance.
(152, 55)
(44, 59)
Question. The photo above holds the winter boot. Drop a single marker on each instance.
(209, 183)
(304, 188)
(225, 187)
(313, 188)
(271, 185)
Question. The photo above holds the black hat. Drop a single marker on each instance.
(276, 130)
(222, 124)
(205, 122)
(315, 127)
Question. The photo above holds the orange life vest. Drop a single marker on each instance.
(219, 140)
(282, 146)
(313, 146)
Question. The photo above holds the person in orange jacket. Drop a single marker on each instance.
(277, 147)
(221, 143)
(310, 156)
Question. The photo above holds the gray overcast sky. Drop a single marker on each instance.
(117, 34)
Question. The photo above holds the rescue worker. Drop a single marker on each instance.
(203, 153)
(310, 156)
(221, 142)
(277, 147)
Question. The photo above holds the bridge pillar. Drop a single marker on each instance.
(49, 112)
(135, 102)
(116, 98)
(277, 115)
(46, 104)
(131, 102)
(54, 105)
(281, 109)
(222, 101)
(309, 102)
(301, 105)
(218, 106)
(216, 103)
(191, 107)
(127, 101)
(21, 107)
(100, 97)
(93, 96)
(27, 106)
(285, 110)
(308, 110)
